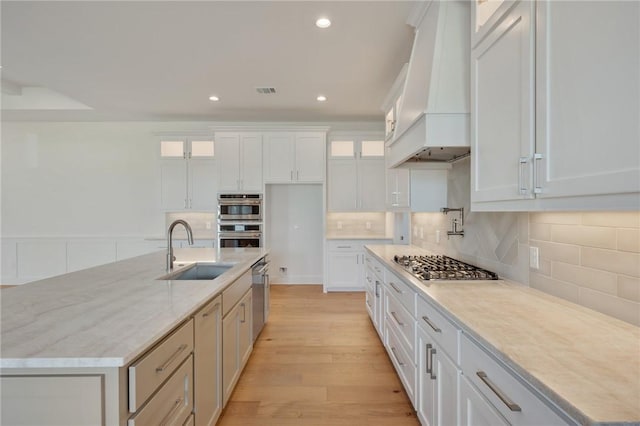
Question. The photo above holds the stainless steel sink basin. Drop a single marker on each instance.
(199, 271)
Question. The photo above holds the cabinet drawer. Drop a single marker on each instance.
(405, 294)
(402, 362)
(439, 328)
(370, 300)
(508, 394)
(344, 245)
(150, 371)
(375, 266)
(232, 294)
(402, 321)
(173, 403)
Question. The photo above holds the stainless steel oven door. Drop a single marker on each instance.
(239, 209)
(239, 239)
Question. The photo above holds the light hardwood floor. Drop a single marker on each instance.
(318, 362)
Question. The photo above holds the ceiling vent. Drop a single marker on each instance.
(266, 90)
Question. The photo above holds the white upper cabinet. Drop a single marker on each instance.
(294, 157)
(503, 106)
(356, 174)
(239, 158)
(398, 189)
(555, 106)
(188, 178)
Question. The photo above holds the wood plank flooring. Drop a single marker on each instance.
(318, 362)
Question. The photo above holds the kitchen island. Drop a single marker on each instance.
(523, 350)
(78, 334)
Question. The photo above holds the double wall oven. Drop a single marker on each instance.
(240, 220)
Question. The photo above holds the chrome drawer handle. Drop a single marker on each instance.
(176, 405)
(395, 355)
(395, 288)
(164, 366)
(395, 317)
(431, 324)
(377, 291)
(244, 313)
(505, 399)
(210, 311)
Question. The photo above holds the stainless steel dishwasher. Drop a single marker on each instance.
(260, 295)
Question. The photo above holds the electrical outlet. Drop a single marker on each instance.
(207, 225)
(368, 225)
(421, 232)
(534, 258)
(415, 231)
(339, 225)
(283, 270)
(437, 236)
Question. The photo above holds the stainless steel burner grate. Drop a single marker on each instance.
(428, 268)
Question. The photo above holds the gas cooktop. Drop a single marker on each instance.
(428, 268)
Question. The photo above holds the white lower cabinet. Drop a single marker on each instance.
(237, 343)
(475, 410)
(515, 400)
(208, 363)
(449, 377)
(345, 264)
(438, 371)
(374, 277)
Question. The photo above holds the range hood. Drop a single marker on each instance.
(432, 123)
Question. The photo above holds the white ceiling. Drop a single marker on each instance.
(161, 60)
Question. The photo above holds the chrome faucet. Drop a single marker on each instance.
(170, 256)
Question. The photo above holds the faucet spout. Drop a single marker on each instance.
(170, 256)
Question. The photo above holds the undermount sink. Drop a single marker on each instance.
(198, 271)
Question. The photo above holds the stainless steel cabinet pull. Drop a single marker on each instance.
(210, 311)
(244, 313)
(297, 174)
(395, 288)
(291, 174)
(432, 351)
(505, 399)
(377, 291)
(395, 355)
(521, 176)
(395, 317)
(164, 366)
(537, 189)
(344, 247)
(176, 405)
(427, 360)
(431, 324)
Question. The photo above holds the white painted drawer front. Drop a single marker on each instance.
(149, 372)
(405, 294)
(345, 245)
(375, 266)
(232, 294)
(173, 403)
(371, 303)
(402, 361)
(439, 328)
(512, 399)
(399, 319)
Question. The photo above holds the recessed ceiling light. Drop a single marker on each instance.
(214, 98)
(321, 98)
(323, 23)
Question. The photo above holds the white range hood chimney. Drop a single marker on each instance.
(433, 117)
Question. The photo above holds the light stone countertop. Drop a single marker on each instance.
(108, 315)
(585, 362)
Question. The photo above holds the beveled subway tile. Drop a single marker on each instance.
(563, 218)
(629, 288)
(619, 262)
(610, 305)
(567, 253)
(612, 219)
(605, 282)
(589, 236)
(556, 288)
(629, 240)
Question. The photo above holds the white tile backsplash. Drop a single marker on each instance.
(589, 258)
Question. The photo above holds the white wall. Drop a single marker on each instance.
(295, 233)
